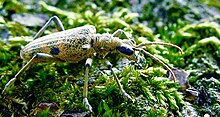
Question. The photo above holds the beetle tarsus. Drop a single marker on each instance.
(126, 95)
(11, 82)
(87, 105)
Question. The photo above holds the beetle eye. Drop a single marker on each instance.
(125, 49)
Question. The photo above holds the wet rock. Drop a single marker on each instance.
(181, 77)
(31, 20)
(45, 105)
(68, 113)
(4, 35)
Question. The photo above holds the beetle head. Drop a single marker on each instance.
(126, 49)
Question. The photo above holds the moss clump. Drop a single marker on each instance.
(56, 89)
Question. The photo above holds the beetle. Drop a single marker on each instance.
(77, 44)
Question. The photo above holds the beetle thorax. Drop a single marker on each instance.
(105, 43)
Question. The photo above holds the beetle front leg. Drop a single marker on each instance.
(85, 89)
(58, 25)
(119, 32)
(126, 95)
(38, 58)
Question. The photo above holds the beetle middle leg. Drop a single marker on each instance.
(85, 88)
(37, 58)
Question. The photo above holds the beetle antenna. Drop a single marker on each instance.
(159, 43)
(158, 60)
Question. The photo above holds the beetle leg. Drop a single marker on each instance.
(119, 32)
(57, 22)
(38, 58)
(85, 89)
(118, 82)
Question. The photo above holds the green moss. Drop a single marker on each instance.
(146, 82)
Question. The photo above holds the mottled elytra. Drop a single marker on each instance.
(82, 43)
(54, 51)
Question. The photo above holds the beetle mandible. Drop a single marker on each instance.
(78, 44)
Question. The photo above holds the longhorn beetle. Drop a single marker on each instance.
(81, 43)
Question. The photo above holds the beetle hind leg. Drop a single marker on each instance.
(37, 58)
